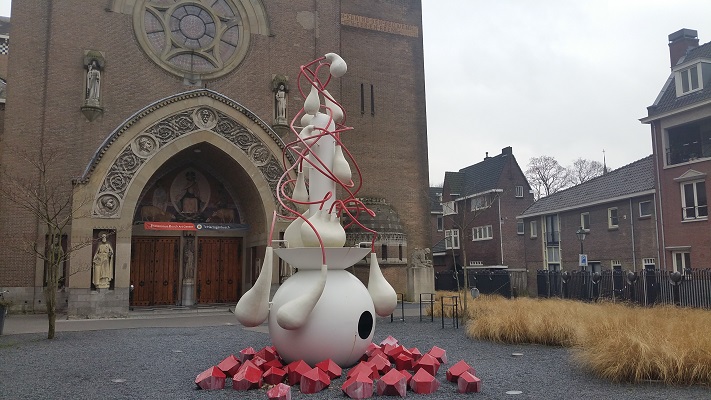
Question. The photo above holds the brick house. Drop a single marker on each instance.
(178, 112)
(480, 204)
(438, 250)
(616, 211)
(680, 121)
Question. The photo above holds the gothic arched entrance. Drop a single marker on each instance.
(187, 188)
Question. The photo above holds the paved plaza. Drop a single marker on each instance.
(158, 354)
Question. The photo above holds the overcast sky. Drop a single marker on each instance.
(561, 78)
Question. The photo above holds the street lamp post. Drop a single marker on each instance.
(581, 233)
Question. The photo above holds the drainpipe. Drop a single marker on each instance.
(501, 233)
(634, 252)
(661, 252)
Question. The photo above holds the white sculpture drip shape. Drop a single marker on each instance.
(293, 315)
(383, 295)
(253, 307)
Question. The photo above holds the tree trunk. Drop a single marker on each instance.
(51, 300)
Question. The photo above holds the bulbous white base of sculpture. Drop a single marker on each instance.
(340, 327)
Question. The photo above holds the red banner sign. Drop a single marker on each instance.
(169, 226)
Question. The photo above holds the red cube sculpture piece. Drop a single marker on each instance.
(404, 362)
(314, 381)
(295, 370)
(382, 363)
(396, 351)
(393, 383)
(371, 348)
(439, 354)
(389, 340)
(248, 377)
(365, 367)
(211, 379)
(273, 363)
(358, 386)
(246, 354)
(330, 368)
(424, 383)
(407, 375)
(279, 392)
(428, 363)
(468, 383)
(267, 353)
(457, 369)
(274, 375)
(416, 353)
(229, 365)
(259, 362)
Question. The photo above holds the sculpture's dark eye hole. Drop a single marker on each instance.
(365, 324)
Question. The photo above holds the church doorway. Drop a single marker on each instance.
(219, 269)
(154, 270)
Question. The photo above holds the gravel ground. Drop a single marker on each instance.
(162, 363)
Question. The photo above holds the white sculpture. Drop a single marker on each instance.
(93, 82)
(322, 311)
(103, 264)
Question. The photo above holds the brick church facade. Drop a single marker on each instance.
(162, 117)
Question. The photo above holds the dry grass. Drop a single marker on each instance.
(617, 342)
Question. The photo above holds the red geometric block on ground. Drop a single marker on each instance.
(404, 362)
(393, 383)
(274, 375)
(267, 353)
(371, 348)
(358, 386)
(246, 354)
(211, 378)
(387, 348)
(274, 363)
(439, 354)
(424, 383)
(314, 381)
(396, 351)
(468, 383)
(364, 367)
(389, 340)
(382, 363)
(458, 369)
(259, 362)
(407, 375)
(330, 368)
(428, 363)
(229, 365)
(295, 370)
(248, 377)
(416, 354)
(279, 392)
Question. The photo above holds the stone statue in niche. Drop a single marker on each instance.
(103, 264)
(280, 104)
(93, 83)
(189, 259)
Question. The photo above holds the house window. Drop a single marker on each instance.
(585, 221)
(476, 263)
(552, 229)
(519, 191)
(440, 223)
(649, 263)
(689, 79)
(520, 227)
(400, 253)
(534, 229)
(688, 142)
(645, 208)
(616, 265)
(482, 233)
(612, 220)
(553, 258)
(449, 208)
(682, 260)
(481, 202)
(384, 251)
(451, 239)
(693, 199)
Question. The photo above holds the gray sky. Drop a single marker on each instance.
(561, 78)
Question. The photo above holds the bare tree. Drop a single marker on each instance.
(42, 192)
(583, 170)
(546, 176)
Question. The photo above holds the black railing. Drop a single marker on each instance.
(487, 281)
(646, 287)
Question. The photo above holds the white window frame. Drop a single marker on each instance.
(610, 224)
(533, 229)
(649, 261)
(480, 202)
(586, 227)
(615, 263)
(640, 209)
(440, 223)
(519, 191)
(686, 76)
(451, 239)
(449, 207)
(476, 263)
(681, 260)
(696, 207)
(520, 228)
(482, 233)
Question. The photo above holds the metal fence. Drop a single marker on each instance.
(646, 287)
(487, 281)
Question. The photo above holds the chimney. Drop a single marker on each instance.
(487, 156)
(506, 150)
(680, 42)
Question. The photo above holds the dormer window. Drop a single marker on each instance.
(691, 78)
